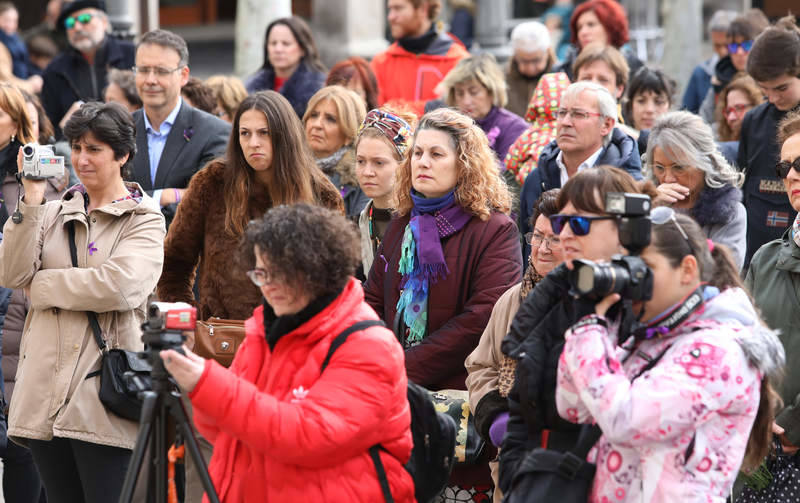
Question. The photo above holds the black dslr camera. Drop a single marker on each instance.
(626, 275)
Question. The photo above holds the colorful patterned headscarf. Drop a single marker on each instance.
(523, 155)
(393, 127)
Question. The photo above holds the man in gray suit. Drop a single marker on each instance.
(173, 139)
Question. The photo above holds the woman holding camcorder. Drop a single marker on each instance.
(676, 397)
(80, 448)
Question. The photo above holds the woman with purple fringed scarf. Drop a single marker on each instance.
(448, 254)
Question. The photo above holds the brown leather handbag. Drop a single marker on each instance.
(218, 339)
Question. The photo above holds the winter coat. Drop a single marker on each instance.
(520, 87)
(19, 304)
(679, 431)
(502, 128)
(20, 61)
(723, 219)
(198, 234)
(535, 340)
(772, 280)
(120, 254)
(283, 432)
(621, 152)
(344, 178)
(411, 78)
(69, 77)
(768, 210)
(699, 84)
(298, 88)
(523, 155)
(482, 265)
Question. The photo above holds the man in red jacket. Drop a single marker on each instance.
(410, 69)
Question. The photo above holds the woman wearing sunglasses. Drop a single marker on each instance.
(771, 278)
(491, 373)
(535, 338)
(694, 177)
(676, 399)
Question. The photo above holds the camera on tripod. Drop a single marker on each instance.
(40, 162)
(626, 275)
(165, 324)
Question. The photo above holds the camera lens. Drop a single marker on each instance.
(585, 279)
(27, 150)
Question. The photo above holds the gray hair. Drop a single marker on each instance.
(687, 139)
(167, 39)
(530, 36)
(721, 20)
(606, 103)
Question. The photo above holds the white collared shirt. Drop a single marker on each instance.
(588, 163)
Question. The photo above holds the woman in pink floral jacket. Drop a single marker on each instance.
(681, 430)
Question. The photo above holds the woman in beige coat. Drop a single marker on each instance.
(490, 372)
(81, 449)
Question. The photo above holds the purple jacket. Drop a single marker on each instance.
(502, 128)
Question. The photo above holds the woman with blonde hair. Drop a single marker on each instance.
(331, 121)
(735, 100)
(230, 92)
(445, 259)
(476, 86)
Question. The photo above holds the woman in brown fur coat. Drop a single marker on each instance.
(267, 164)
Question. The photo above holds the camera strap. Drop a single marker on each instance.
(16, 217)
(672, 318)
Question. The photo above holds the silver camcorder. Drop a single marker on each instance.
(40, 162)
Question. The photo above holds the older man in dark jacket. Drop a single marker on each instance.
(79, 73)
(586, 138)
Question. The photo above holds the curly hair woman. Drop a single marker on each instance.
(283, 428)
(448, 254)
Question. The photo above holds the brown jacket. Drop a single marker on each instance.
(198, 231)
(120, 254)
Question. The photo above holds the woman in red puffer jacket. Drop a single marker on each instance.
(282, 429)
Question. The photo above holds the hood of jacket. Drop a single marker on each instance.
(346, 168)
(716, 206)
(73, 202)
(724, 72)
(546, 97)
(760, 344)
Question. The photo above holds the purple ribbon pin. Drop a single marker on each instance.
(92, 248)
(187, 134)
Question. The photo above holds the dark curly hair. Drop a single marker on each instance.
(110, 123)
(316, 247)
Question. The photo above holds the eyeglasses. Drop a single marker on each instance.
(783, 167)
(261, 277)
(664, 214)
(157, 70)
(580, 225)
(536, 240)
(578, 115)
(85, 18)
(737, 109)
(746, 45)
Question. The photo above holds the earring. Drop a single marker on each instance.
(13, 137)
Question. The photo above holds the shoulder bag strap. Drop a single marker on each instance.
(591, 434)
(73, 251)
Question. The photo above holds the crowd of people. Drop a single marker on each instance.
(423, 215)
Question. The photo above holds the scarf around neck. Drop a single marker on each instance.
(796, 230)
(422, 261)
(327, 164)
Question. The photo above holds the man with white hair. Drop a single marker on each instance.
(587, 136)
(700, 81)
(533, 57)
(79, 74)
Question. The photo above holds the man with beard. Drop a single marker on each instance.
(173, 139)
(79, 73)
(411, 68)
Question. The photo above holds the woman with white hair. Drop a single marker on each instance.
(533, 57)
(475, 86)
(692, 176)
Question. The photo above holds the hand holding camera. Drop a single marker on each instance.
(35, 164)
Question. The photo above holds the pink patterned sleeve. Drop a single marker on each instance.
(704, 373)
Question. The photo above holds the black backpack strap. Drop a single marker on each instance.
(342, 337)
(374, 453)
(73, 252)
(591, 434)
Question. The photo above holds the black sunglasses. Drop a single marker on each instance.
(580, 225)
(783, 167)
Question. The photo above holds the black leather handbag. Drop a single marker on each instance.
(118, 392)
